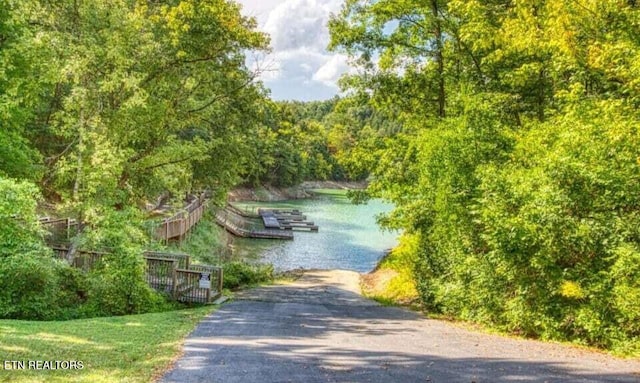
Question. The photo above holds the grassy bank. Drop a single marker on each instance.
(392, 281)
(207, 243)
(133, 348)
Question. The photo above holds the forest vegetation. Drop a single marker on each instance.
(505, 133)
(516, 171)
(107, 106)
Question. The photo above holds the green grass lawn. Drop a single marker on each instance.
(134, 348)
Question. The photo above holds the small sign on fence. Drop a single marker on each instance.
(205, 280)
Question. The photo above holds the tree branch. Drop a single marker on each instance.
(165, 164)
(219, 97)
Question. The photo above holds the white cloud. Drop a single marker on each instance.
(259, 9)
(330, 72)
(296, 24)
(299, 36)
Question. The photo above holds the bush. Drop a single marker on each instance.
(33, 285)
(117, 284)
(535, 231)
(238, 274)
(561, 228)
(36, 286)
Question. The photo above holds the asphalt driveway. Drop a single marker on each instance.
(319, 329)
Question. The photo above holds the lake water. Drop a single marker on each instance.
(349, 237)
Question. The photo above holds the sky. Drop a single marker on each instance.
(299, 66)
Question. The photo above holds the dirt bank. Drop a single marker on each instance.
(268, 193)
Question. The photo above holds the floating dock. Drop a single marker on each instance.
(229, 220)
(285, 220)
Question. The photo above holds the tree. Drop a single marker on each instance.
(520, 196)
(137, 97)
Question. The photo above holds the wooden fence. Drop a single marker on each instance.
(177, 226)
(84, 260)
(160, 274)
(61, 229)
(198, 283)
(184, 260)
(168, 273)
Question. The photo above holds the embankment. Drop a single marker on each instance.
(268, 193)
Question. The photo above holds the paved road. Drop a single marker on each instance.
(319, 329)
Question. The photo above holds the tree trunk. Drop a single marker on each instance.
(79, 164)
(439, 57)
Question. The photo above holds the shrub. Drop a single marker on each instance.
(33, 285)
(238, 274)
(117, 284)
(28, 286)
(561, 227)
(535, 231)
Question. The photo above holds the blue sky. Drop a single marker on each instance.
(299, 66)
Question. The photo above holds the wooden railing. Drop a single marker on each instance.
(231, 222)
(183, 259)
(61, 229)
(160, 274)
(178, 225)
(199, 283)
(168, 273)
(84, 260)
(242, 212)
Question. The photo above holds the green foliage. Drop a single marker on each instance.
(72, 294)
(33, 285)
(117, 285)
(19, 62)
(292, 147)
(205, 243)
(334, 139)
(112, 103)
(516, 165)
(237, 274)
(558, 222)
(29, 285)
(20, 230)
(108, 104)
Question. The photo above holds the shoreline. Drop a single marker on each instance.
(373, 281)
(269, 193)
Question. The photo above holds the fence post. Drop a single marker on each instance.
(174, 286)
(166, 232)
(219, 281)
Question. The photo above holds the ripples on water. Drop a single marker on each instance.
(349, 237)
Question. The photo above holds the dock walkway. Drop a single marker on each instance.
(232, 222)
